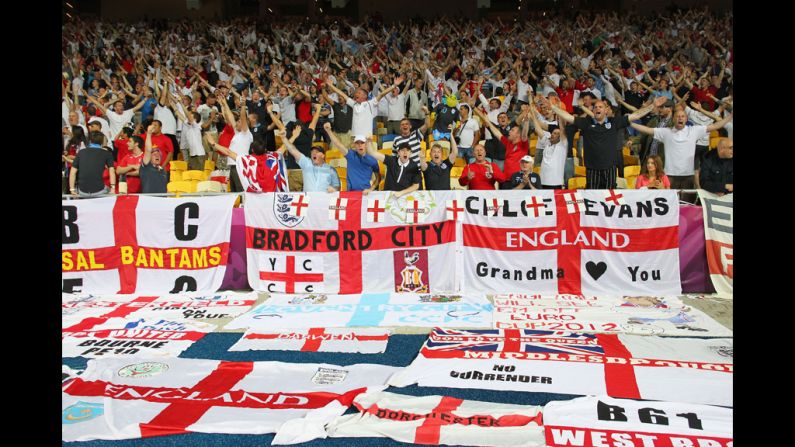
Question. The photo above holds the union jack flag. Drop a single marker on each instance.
(277, 167)
(513, 340)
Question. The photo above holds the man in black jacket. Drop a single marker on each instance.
(717, 169)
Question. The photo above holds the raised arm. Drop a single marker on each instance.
(641, 128)
(720, 124)
(316, 116)
(386, 91)
(427, 123)
(494, 130)
(453, 146)
(288, 143)
(375, 154)
(213, 141)
(226, 112)
(98, 104)
(643, 111)
(148, 145)
(555, 106)
(335, 141)
(337, 91)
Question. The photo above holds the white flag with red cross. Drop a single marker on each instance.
(636, 422)
(145, 245)
(441, 420)
(719, 236)
(616, 197)
(316, 339)
(299, 205)
(628, 366)
(454, 209)
(337, 207)
(567, 242)
(319, 252)
(141, 398)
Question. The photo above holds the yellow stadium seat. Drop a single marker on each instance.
(537, 169)
(385, 151)
(631, 170)
(207, 174)
(177, 165)
(423, 145)
(193, 175)
(456, 171)
(183, 186)
(338, 163)
(631, 179)
(577, 183)
(626, 150)
(631, 160)
(343, 184)
(379, 125)
(579, 171)
(382, 168)
(460, 162)
(176, 176)
(714, 134)
(386, 145)
(331, 154)
(209, 165)
(210, 186)
(342, 173)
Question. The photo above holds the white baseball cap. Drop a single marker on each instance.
(359, 138)
(527, 158)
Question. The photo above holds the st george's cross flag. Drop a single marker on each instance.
(627, 366)
(571, 242)
(145, 245)
(318, 339)
(141, 398)
(441, 420)
(603, 420)
(339, 243)
(719, 236)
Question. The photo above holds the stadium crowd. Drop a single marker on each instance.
(515, 105)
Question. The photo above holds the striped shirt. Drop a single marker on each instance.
(414, 139)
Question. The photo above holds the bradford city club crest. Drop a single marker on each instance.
(412, 208)
(308, 299)
(283, 212)
(144, 369)
(410, 268)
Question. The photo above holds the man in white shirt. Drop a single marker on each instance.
(468, 134)
(240, 143)
(364, 111)
(552, 141)
(680, 147)
(396, 110)
(117, 118)
(192, 132)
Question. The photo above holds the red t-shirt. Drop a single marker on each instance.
(480, 181)
(567, 98)
(303, 111)
(122, 148)
(513, 154)
(133, 181)
(226, 136)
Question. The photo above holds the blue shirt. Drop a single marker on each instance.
(148, 109)
(318, 178)
(360, 169)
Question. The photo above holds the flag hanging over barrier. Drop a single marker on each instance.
(571, 242)
(719, 232)
(643, 315)
(364, 341)
(145, 245)
(374, 309)
(629, 366)
(602, 420)
(140, 398)
(349, 243)
(441, 420)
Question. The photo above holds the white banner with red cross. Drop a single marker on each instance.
(602, 420)
(719, 233)
(441, 420)
(145, 245)
(141, 398)
(316, 339)
(628, 366)
(571, 242)
(348, 243)
(642, 315)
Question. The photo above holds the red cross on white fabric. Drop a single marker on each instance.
(350, 261)
(414, 210)
(179, 414)
(337, 208)
(615, 198)
(572, 201)
(374, 210)
(453, 209)
(495, 205)
(290, 277)
(533, 203)
(125, 234)
(570, 256)
(249, 165)
(297, 206)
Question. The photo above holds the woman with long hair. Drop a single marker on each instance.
(652, 175)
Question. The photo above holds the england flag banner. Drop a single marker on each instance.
(603, 421)
(585, 242)
(719, 232)
(283, 311)
(643, 315)
(628, 366)
(364, 341)
(348, 243)
(78, 311)
(121, 337)
(141, 398)
(145, 245)
(440, 420)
